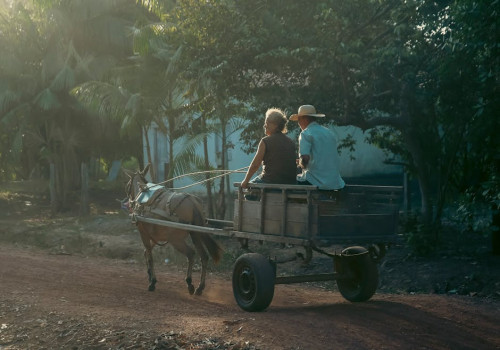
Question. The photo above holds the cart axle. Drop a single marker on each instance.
(306, 278)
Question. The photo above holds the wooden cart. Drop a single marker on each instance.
(363, 218)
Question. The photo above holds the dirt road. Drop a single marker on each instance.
(72, 302)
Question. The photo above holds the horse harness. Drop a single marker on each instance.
(161, 204)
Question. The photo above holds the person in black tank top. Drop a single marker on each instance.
(275, 153)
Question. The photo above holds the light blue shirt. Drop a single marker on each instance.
(323, 169)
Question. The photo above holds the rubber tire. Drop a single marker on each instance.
(253, 282)
(358, 262)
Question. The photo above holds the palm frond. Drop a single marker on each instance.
(142, 38)
(64, 80)
(106, 99)
(235, 125)
(13, 115)
(157, 7)
(134, 104)
(17, 144)
(7, 98)
(174, 60)
(47, 100)
(187, 159)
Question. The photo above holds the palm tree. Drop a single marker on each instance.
(65, 43)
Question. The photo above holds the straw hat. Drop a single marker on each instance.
(306, 110)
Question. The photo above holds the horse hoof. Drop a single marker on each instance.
(198, 291)
(151, 288)
(191, 289)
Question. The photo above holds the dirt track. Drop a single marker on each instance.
(65, 302)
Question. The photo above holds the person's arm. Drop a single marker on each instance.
(304, 160)
(256, 163)
(305, 147)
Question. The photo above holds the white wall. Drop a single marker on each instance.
(368, 159)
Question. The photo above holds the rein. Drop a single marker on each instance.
(224, 171)
(228, 172)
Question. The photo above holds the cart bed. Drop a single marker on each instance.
(357, 213)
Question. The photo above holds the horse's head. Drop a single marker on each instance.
(137, 181)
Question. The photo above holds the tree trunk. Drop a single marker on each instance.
(208, 184)
(221, 208)
(84, 201)
(54, 206)
(170, 165)
(427, 234)
(423, 178)
(65, 177)
(495, 235)
(152, 171)
(421, 167)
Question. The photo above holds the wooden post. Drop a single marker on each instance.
(284, 200)
(240, 209)
(309, 214)
(84, 201)
(262, 209)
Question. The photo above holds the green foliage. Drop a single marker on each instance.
(479, 204)
(421, 237)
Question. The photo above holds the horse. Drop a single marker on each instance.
(172, 206)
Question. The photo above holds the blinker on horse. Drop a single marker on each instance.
(168, 205)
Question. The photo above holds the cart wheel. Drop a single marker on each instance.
(253, 282)
(359, 279)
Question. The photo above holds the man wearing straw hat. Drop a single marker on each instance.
(318, 156)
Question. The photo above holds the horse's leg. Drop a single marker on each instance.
(148, 257)
(181, 246)
(197, 241)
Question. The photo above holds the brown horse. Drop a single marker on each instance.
(168, 205)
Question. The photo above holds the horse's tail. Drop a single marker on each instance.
(208, 241)
(212, 246)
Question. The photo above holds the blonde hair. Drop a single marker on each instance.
(278, 117)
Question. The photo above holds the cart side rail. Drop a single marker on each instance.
(357, 213)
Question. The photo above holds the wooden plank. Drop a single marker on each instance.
(310, 215)
(262, 211)
(357, 225)
(372, 188)
(284, 203)
(181, 226)
(296, 219)
(226, 233)
(271, 238)
(278, 186)
(295, 212)
(277, 197)
(273, 227)
(240, 209)
(357, 212)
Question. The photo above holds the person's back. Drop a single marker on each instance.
(279, 165)
(275, 153)
(318, 156)
(323, 167)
